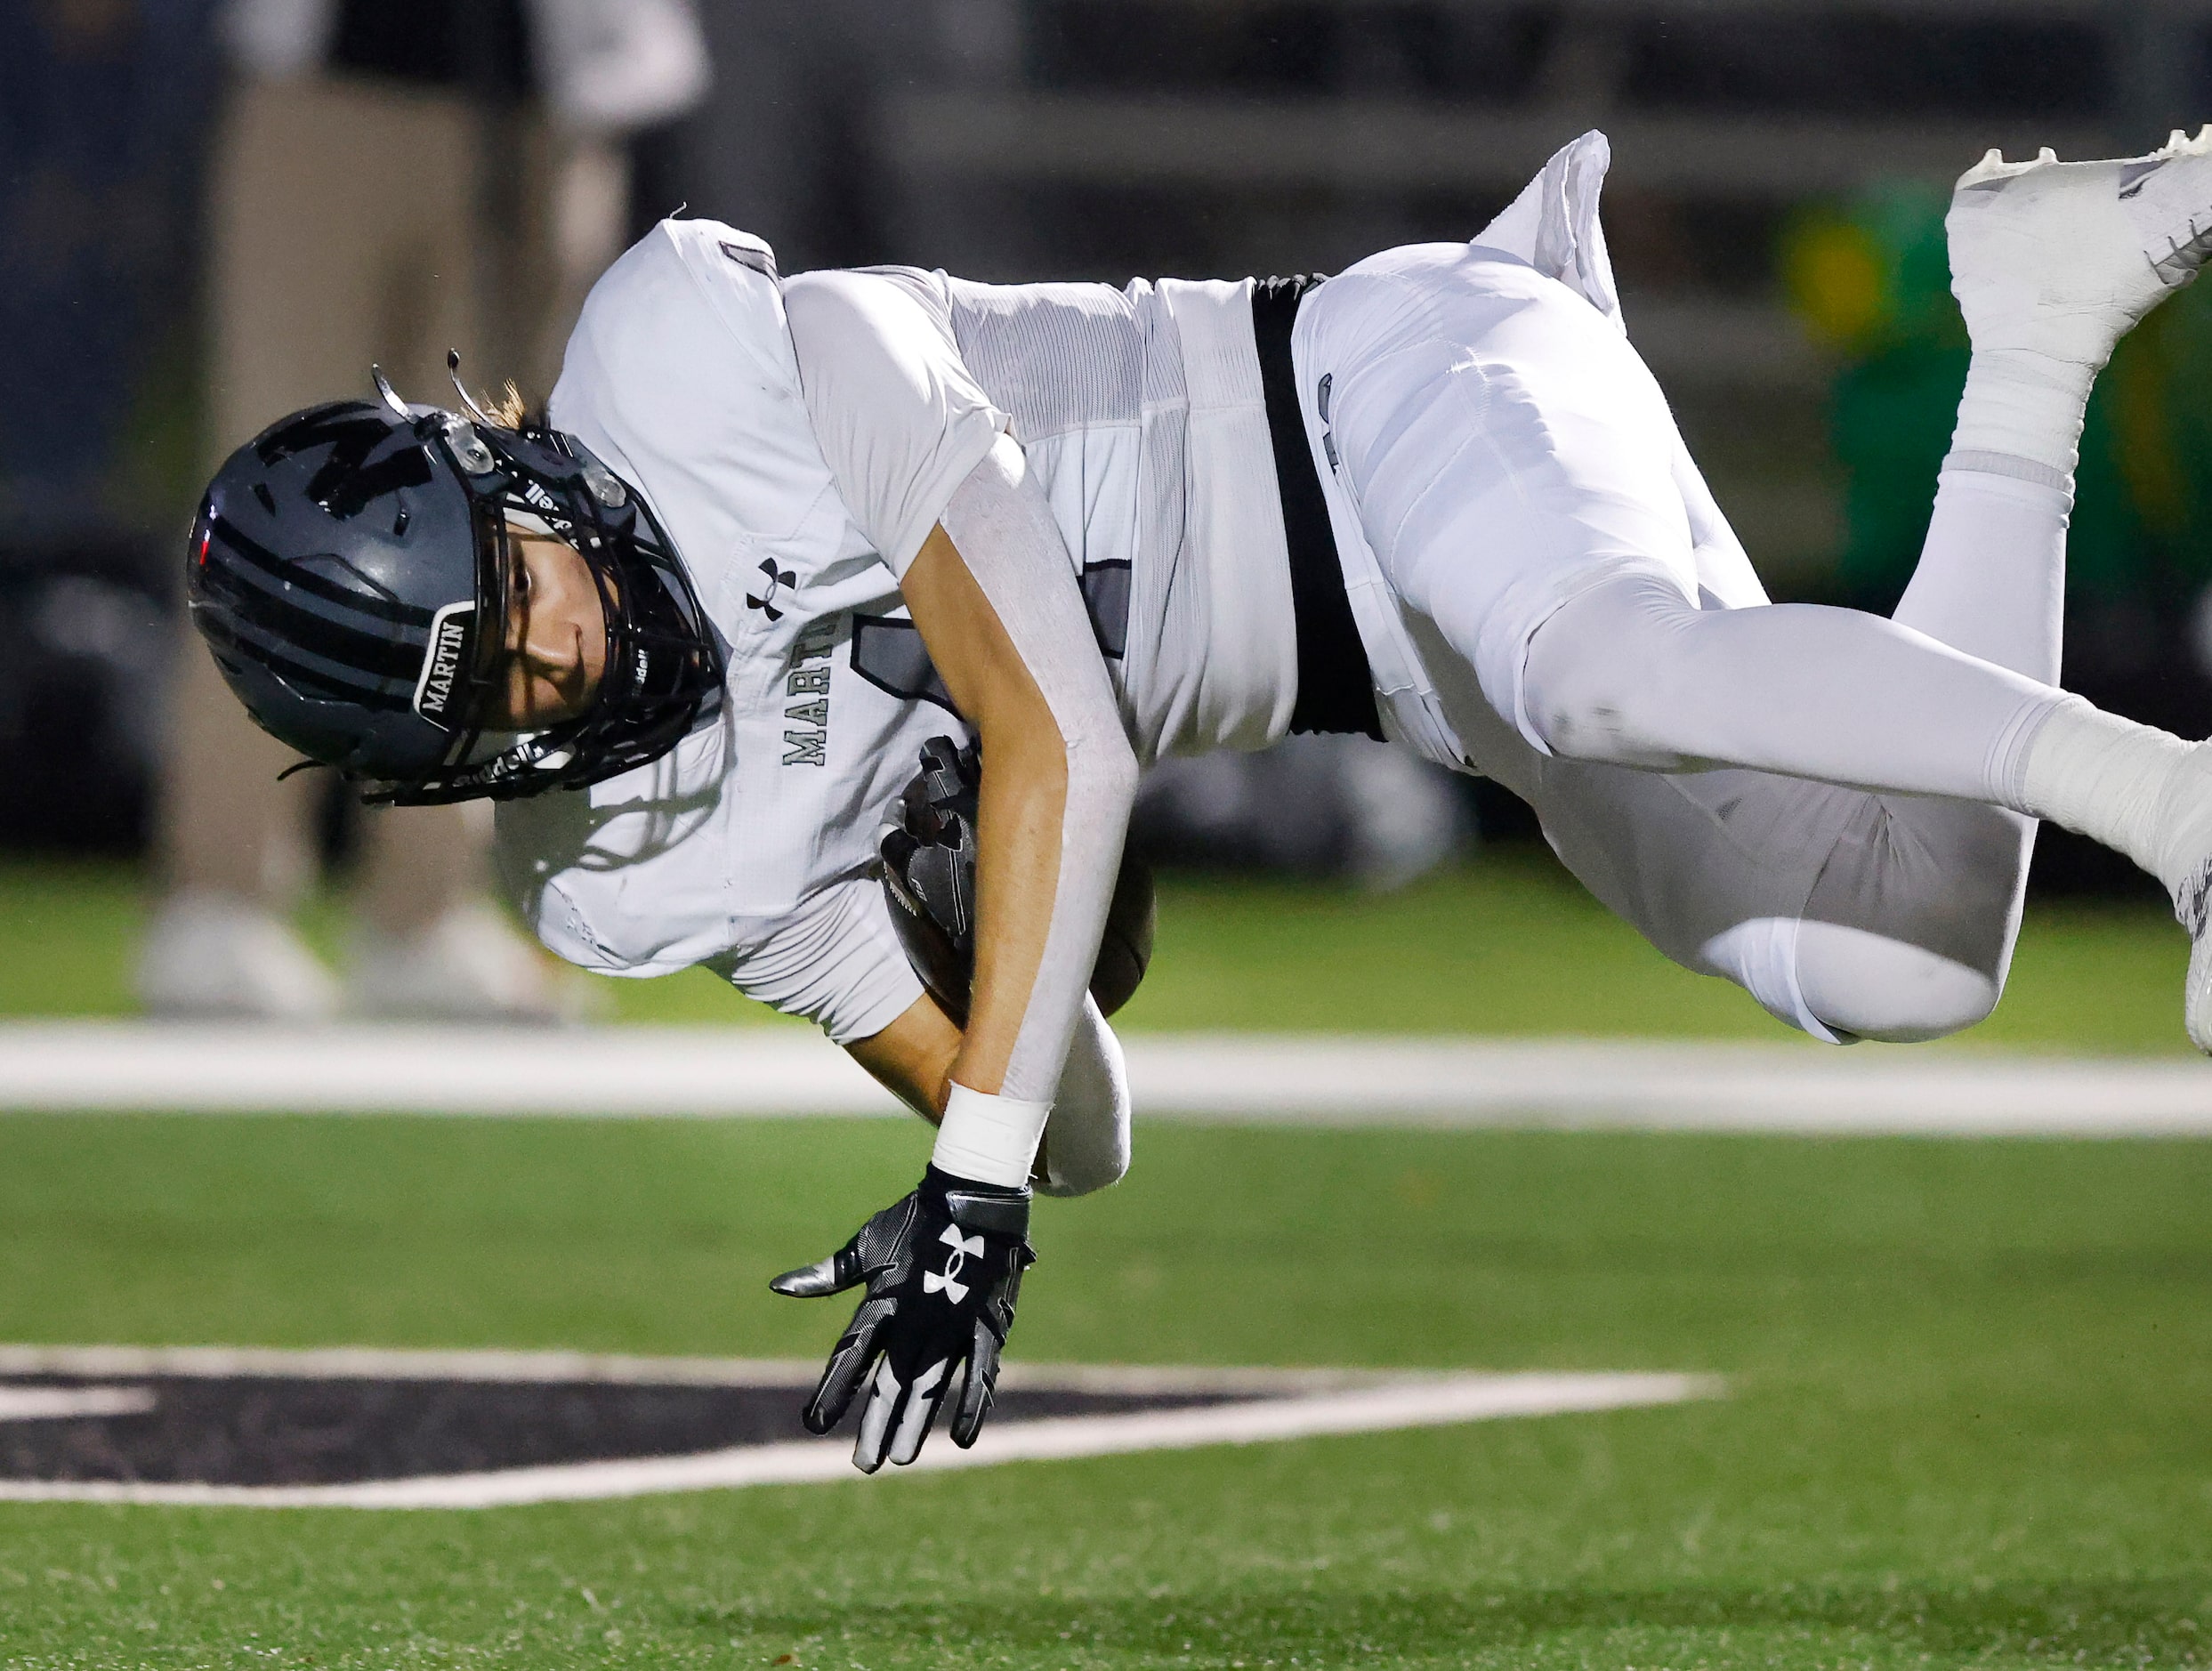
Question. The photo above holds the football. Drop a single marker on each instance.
(927, 866)
(1125, 950)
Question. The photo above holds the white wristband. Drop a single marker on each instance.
(990, 1138)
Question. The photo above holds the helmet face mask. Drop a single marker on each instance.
(351, 570)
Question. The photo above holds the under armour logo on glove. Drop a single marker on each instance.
(777, 578)
(903, 1351)
(948, 1284)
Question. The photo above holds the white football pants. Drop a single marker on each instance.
(1795, 797)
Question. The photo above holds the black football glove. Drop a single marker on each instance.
(943, 1268)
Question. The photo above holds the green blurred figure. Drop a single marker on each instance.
(1872, 284)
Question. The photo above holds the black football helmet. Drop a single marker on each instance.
(350, 570)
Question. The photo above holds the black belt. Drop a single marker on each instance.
(1335, 688)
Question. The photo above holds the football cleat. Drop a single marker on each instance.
(2193, 901)
(2065, 258)
(210, 956)
(468, 965)
(2185, 863)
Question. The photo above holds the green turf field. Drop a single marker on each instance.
(1971, 1419)
(1507, 945)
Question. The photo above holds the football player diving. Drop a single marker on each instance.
(692, 630)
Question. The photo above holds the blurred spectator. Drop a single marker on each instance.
(102, 102)
(1872, 284)
(390, 178)
(787, 145)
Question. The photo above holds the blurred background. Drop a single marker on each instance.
(1969, 1379)
(205, 203)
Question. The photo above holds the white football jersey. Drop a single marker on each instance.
(798, 480)
(1139, 410)
(747, 846)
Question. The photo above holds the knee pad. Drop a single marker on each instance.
(1844, 984)
(1871, 987)
(1087, 1137)
(1079, 1160)
(1760, 954)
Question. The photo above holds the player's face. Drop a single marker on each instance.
(556, 636)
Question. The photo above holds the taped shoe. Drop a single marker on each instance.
(468, 965)
(210, 956)
(2062, 259)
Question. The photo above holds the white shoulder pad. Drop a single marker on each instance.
(681, 374)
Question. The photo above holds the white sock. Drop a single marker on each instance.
(2020, 416)
(1992, 579)
(2127, 785)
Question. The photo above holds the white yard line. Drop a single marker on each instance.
(382, 1363)
(766, 1071)
(1430, 1401)
(91, 1065)
(66, 1403)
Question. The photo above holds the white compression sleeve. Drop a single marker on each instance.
(1003, 528)
(1992, 579)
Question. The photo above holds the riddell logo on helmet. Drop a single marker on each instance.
(548, 507)
(442, 663)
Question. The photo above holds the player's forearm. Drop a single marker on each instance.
(993, 593)
(1021, 816)
(913, 1057)
(1052, 809)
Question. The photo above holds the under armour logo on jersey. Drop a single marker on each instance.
(948, 1283)
(777, 579)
